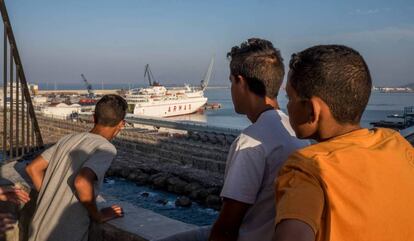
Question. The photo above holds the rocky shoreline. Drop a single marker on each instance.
(188, 188)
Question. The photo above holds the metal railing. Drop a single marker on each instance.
(21, 133)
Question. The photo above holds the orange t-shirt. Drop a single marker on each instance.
(358, 186)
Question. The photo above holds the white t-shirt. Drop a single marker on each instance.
(252, 165)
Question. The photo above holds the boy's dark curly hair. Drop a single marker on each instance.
(110, 110)
(260, 64)
(335, 73)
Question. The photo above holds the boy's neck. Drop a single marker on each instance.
(335, 129)
(104, 131)
(273, 102)
(259, 105)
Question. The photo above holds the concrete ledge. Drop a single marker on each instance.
(137, 224)
(12, 173)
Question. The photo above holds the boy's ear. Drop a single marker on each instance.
(314, 110)
(241, 80)
(238, 77)
(94, 118)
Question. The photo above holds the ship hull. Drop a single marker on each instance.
(170, 108)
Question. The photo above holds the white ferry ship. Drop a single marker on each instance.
(158, 101)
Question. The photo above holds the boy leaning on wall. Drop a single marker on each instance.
(69, 174)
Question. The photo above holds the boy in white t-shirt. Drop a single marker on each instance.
(248, 213)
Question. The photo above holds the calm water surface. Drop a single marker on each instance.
(379, 107)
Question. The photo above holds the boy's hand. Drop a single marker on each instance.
(15, 195)
(6, 223)
(111, 212)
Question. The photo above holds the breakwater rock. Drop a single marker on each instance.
(189, 186)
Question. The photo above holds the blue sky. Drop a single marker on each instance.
(111, 41)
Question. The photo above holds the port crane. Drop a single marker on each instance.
(91, 94)
(150, 76)
(204, 82)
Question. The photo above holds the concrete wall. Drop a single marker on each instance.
(187, 164)
(150, 145)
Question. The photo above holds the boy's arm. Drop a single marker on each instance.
(85, 191)
(245, 171)
(36, 171)
(37, 168)
(293, 230)
(300, 201)
(228, 223)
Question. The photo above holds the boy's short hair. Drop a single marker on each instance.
(335, 73)
(110, 110)
(260, 64)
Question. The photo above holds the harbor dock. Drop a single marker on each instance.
(404, 121)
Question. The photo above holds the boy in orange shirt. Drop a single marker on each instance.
(355, 184)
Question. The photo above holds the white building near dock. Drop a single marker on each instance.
(39, 100)
(11, 92)
(61, 111)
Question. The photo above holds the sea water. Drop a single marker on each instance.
(158, 201)
(379, 107)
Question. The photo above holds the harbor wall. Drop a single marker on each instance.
(188, 164)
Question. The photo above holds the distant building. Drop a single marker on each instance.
(61, 111)
(393, 89)
(39, 100)
(10, 88)
(34, 89)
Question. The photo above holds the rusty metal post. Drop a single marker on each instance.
(33, 137)
(11, 146)
(23, 125)
(27, 128)
(9, 31)
(5, 97)
(23, 120)
(18, 152)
